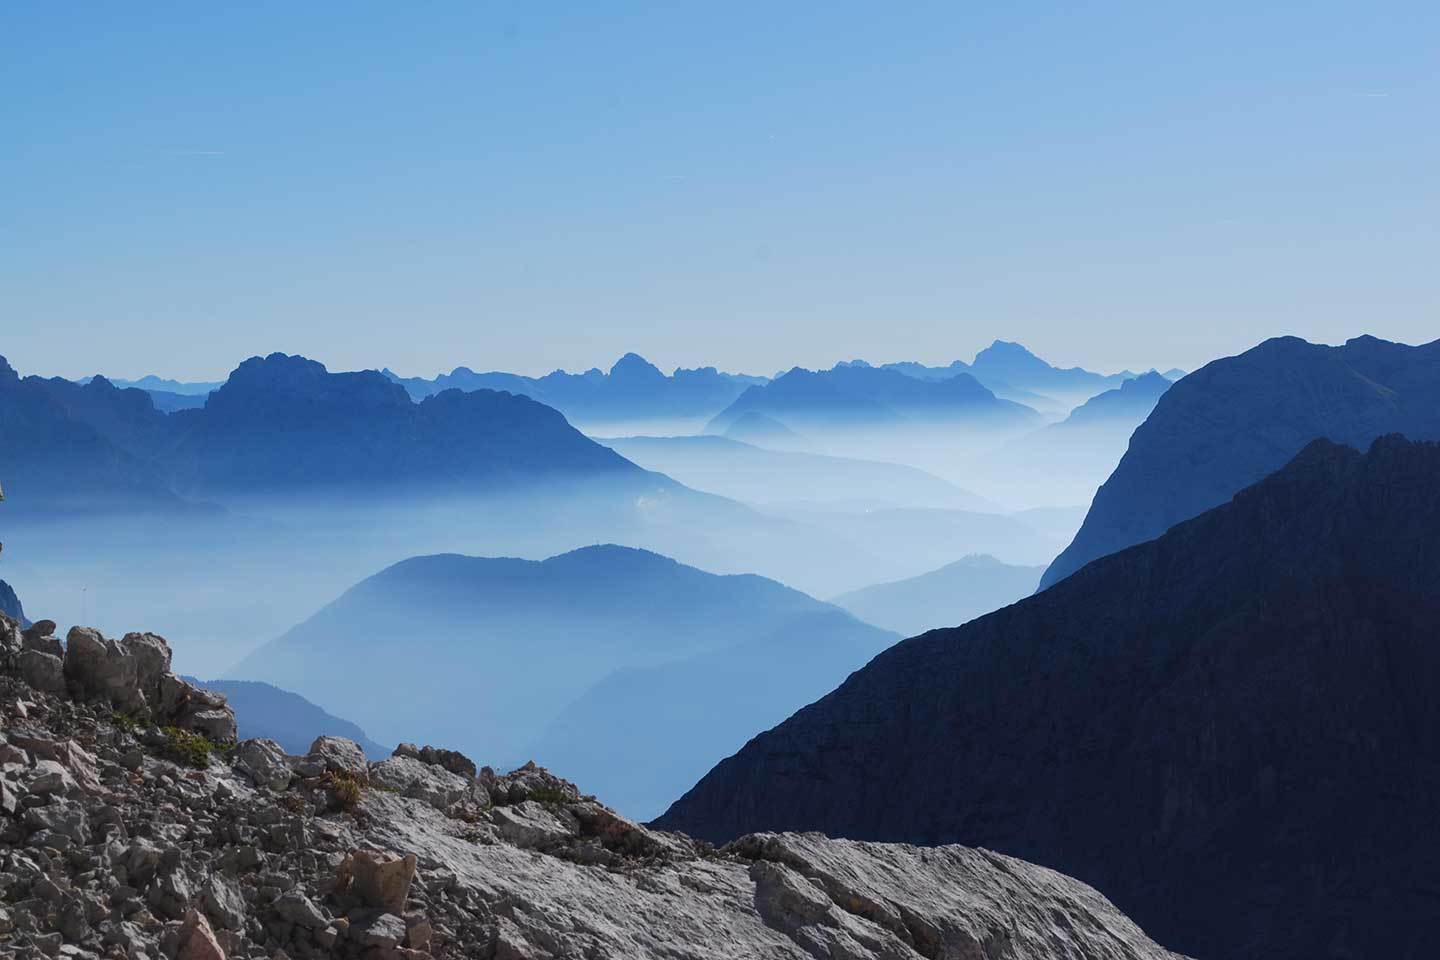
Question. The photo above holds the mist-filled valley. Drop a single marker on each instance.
(270, 517)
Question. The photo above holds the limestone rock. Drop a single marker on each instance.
(340, 755)
(264, 762)
(424, 781)
(382, 882)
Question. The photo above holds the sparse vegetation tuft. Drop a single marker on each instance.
(184, 747)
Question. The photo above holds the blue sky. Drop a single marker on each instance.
(531, 186)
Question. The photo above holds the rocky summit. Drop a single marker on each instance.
(134, 827)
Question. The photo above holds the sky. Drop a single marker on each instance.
(525, 186)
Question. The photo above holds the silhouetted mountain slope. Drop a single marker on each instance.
(868, 396)
(153, 384)
(1131, 402)
(1237, 720)
(1237, 419)
(264, 710)
(286, 423)
(494, 649)
(10, 603)
(956, 593)
(61, 462)
(633, 390)
(743, 472)
(648, 732)
(1065, 462)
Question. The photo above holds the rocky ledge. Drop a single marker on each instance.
(134, 827)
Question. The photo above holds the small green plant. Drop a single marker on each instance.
(548, 795)
(345, 791)
(131, 721)
(182, 746)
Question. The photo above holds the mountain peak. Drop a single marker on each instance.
(635, 368)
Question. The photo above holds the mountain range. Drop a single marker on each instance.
(868, 397)
(632, 391)
(593, 613)
(1235, 420)
(1234, 720)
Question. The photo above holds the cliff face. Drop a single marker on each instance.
(1239, 419)
(126, 838)
(1236, 721)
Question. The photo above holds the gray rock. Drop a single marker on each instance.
(340, 755)
(298, 909)
(264, 762)
(385, 932)
(43, 671)
(40, 636)
(423, 781)
(101, 669)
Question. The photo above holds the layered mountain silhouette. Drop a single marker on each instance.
(1235, 420)
(850, 395)
(265, 710)
(649, 732)
(1129, 404)
(286, 423)
(632, 390)
(756, 475)
(1064, 462)
(495, 649)
(956, 593)
(1235, 720)
(1012, 372)
(66, 459)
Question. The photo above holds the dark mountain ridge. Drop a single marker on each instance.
(1237, 720)
(1238, 419)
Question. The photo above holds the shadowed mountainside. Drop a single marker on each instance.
(1236, 721)
(1235, 420)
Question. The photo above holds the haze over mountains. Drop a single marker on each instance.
(554, 630)
(1235, 720)
(1237, 419)
(956, 593)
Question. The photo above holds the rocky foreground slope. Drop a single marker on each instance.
(131, 828)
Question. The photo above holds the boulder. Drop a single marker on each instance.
(264, 762)
(340, 755)
(43, 671)
(452, 760)
(100, 669)
(197, 939)
(190, 707)
(152, 661)
(423, 781)
(41, 636)
(377, 880)
(535, 826)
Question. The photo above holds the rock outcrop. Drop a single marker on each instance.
(120, 838)
(1231, 731)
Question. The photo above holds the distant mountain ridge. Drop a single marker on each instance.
(265, 710)
(633, 389)
(1237, 419)
(1234, 720)
(553, 629)
(865, 396)
(954, 594)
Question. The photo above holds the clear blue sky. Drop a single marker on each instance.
(750, 185)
